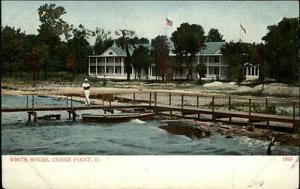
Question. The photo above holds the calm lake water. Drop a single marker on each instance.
(131, 138)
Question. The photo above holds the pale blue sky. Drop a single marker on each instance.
(147, 18)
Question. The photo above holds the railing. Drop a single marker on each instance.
(192, 102)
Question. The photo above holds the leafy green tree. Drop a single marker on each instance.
(125, 41)
(52, 28)
(141, 60)
(160, 54)
(281, 43)
(80, 47)
(103, 41)
(13, 42)
(214, 36)
(188, 40)
(236, 55)
(142, 40)
(201, 70)
(72, 64)
(35, 59)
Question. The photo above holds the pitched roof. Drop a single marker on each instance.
(212, 48)
(120, 52)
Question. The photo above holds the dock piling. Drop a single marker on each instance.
(182, 98)
(213, 108)
(155, 101)
(249, 111)
(294, 117)
(150, 96)
(198, 105)
(266, 104)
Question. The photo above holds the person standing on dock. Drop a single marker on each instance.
(86, 89)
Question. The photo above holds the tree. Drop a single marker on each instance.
(236, 55)
(281, 43)
(51, 29)
(103, 41)
(160, 53)
(141, 60)
(188, 40)
(80, 47)
(35, 59)
(201, 70)
(142, 40)
(125, 41)
(13, 41)
(71, 63)
(214, 36)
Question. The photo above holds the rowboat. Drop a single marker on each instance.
(115, 118)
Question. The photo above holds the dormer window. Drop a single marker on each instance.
(110, 53)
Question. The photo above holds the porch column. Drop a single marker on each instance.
(149, 72)
(207, 71)
(105, 66)
(96, 73)
(122, 66)
(257, 71)
(89, 65)
(114, 65)
(132, 72)
(220, 67)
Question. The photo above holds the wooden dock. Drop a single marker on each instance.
(153, 104)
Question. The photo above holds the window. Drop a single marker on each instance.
(110, 53)
(203, 59)
(118, 59)
(92, 69)
(92, 60)
(100, 60)
(118, 69)
(213, 70)
(110, 60)
(214, 59)
(109, 69)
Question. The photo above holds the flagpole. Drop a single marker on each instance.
(240, 38)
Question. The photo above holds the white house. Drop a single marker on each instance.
(110, 64)
(213, 60)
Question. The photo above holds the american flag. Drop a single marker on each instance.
(244, 30)
(169, 22)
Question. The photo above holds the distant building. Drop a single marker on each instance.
(251, 71)
(110, 64)
(213, 60)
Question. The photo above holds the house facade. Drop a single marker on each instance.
(211, 57)
(110, 64)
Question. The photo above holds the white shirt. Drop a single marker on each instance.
(86, 86)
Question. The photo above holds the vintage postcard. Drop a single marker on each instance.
(150, 94)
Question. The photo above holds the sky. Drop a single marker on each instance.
(148, 18)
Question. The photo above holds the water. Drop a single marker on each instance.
(131, 138)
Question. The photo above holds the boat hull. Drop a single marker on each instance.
(112, 118)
